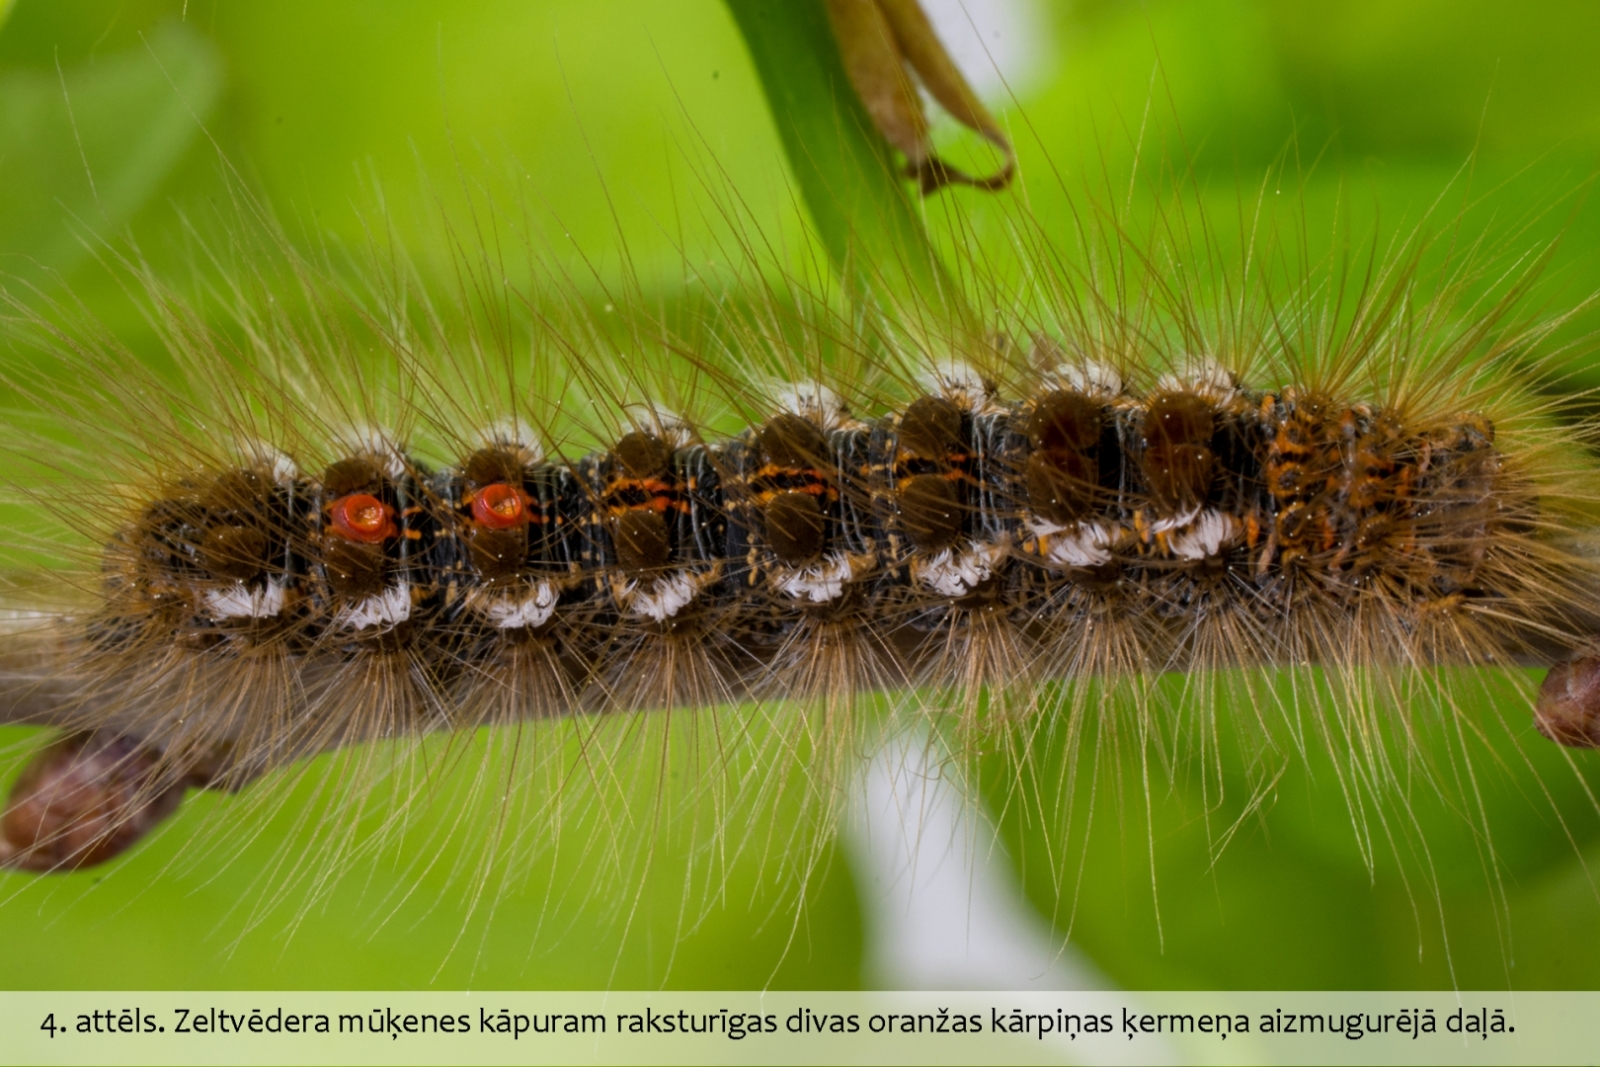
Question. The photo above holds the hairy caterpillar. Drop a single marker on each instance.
(423, 400)
(791, 512)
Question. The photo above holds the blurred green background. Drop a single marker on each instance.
(120, 117)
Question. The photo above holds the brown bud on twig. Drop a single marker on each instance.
(83, 800)
(1568, 711)
(883, 43)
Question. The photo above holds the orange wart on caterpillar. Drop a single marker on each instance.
(1159, 485)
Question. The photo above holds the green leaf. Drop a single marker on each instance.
(858, 203)
(1461, 862)
(85, 147)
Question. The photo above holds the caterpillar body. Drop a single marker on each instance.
(957, 504)
(1035, 517)
(358, 521)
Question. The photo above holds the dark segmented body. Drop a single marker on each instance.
(1032, 510)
